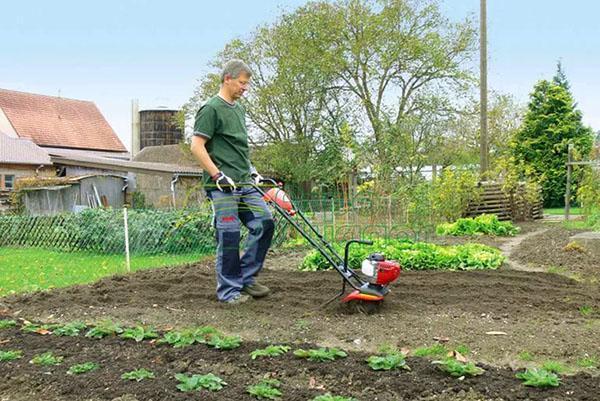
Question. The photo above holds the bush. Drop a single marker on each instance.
(415, 256)
(484, 224)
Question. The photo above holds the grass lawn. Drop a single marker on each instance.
(32, 269)
(561, 211)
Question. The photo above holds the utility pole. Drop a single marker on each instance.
(484, 154)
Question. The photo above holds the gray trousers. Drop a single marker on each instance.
(243, 206)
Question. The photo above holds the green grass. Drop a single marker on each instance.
(33, 269)
(561, 211)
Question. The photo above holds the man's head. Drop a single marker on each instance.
(235, 78)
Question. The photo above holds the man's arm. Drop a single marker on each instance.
(199, 151)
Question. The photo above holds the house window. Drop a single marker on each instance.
(8, 181)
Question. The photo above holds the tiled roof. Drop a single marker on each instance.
(55, 121)
(21, 151)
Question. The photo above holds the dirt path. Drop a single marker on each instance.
(507, 248)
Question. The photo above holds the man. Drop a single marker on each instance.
(220, 143)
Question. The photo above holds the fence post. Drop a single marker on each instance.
(126, 225)
(568, 189)
(333, 219)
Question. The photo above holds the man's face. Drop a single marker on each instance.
(237, 86)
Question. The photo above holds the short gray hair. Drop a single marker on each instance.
(234, 68)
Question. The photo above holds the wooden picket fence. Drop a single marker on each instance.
(507, 206)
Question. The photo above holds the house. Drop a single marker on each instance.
(61, 125)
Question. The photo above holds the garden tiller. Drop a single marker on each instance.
(369, 285)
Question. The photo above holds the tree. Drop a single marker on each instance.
(552, 122)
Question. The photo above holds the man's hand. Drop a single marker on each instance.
(223, 182)
(255, 176)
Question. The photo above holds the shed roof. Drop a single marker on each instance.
(22, 151)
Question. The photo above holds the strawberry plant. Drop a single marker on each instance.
(46, 359)
(196, 382)
(38, 328)
(10, 355)
(139, 333)
(434, 350)
(458, 369)
(266, 389)
(82, 368)
(187, 337)
(103, 329)
(7, 323)
(390, 361)
(224, 342)
(70, 329)
(321, 354)
(554, 367)
(270, 351)
(539, 378)
(329, 397)
(138, 375)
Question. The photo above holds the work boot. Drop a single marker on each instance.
(237, 299)
(256, 290)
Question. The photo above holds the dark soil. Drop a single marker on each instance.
(538, 313)
(300, 379)
(554, 256)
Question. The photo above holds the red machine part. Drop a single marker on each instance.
(357, 295)
(279, 196)
(387, 271)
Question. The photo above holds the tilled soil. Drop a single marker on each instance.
(497, 314)
(300, 379)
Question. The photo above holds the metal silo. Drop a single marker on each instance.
(158, 127)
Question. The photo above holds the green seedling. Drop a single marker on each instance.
(525, 356)
(266, 389)
(187, 337)
(539, 378)
(586, 310)
(329, 397)
(387, 362)
(224, 342)
(196, 382)
(70, 329)
(38, 328)
(434, 350)
(588, 362)
(270, 351)
(82, 368)
(7, 323)
(554, 367)
(139, 333)
(104, 329)
(10, 355)
(321, 354)
(46, 359)
(458, 369)
(138, 375)
(463, 350)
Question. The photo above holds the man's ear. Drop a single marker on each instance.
(226, 78)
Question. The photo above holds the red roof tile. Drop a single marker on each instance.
(55, 121)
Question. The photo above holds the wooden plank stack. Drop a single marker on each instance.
(507, 206)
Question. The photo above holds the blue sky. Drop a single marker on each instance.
(113, 51)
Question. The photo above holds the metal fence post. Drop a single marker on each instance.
(125, 224)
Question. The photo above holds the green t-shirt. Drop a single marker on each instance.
(224, 125)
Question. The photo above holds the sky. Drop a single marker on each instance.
(113, 51)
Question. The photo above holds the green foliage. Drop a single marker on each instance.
(187, 337)
(103, 329)
(138, 375)
(10, 355)
(82, 368)
(487, 224)
(197, 382)
(415, 256)
(551, 123)
(538, 378)
(329, 397)
(434, 350)
(37, 328)
(463, 349)
(525, 356)
(46, 359)
(70, 329)
(139, 333)
(266, 389)
(7, 323)
(589, 362)
(458, 369)
(219, 341)
(554, 367)
(586, 310)
(389, 361)
(270, 351)
(451, 193)
(321, 354)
